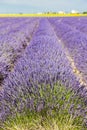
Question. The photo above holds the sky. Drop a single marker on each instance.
(35, 6)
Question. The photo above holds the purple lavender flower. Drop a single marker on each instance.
(42, 59)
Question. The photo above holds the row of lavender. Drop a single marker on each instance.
(75, 43)
(15, 35)
(40, 46)
(79, 23)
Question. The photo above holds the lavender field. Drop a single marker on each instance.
(43, 51)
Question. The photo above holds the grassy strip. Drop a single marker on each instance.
(38, 121)
(60, 111)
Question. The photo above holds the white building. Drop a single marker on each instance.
(74, 12)
(39, 13)
(61, 12)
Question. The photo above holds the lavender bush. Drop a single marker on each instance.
(48, 100)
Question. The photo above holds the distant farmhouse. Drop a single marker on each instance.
(61, 12)
(74, 12)
(39, 13)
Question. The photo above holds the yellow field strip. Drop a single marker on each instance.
(42, 15)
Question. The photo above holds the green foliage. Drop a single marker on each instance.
(37, 121)
(60, 111)
(85, 12)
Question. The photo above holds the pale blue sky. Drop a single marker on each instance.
(34, 6)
